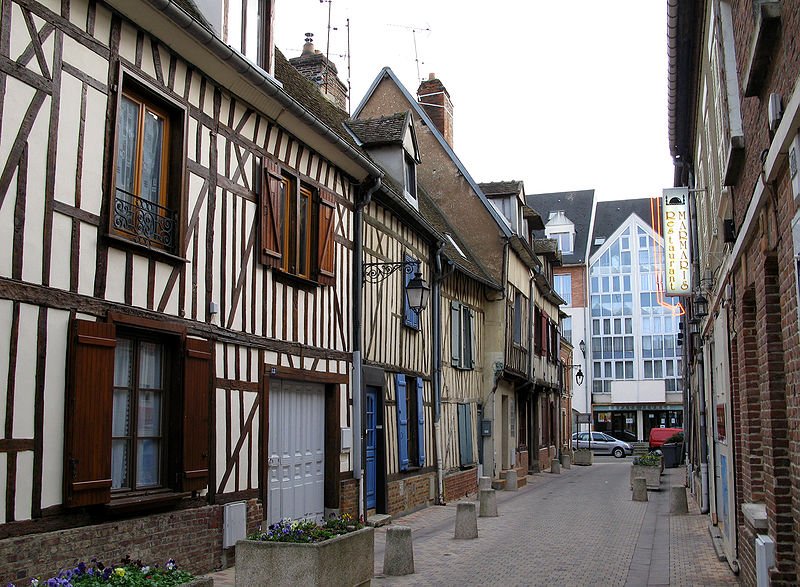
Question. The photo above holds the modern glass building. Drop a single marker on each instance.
(635, 362)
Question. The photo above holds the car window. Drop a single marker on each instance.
(598, 436)
(609, 438)
(583, 436)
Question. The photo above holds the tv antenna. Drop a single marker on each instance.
(413, 30)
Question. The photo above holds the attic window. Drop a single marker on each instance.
(410, 176)
(599, 241)
(455, 246)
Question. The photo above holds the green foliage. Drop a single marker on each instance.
(675, 439)
(648, 460)
(308, 531)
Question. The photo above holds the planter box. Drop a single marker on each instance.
(652, 475)
(583, 456)
(344, 560)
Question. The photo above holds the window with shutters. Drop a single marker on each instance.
(462, 336)
(519, 319)
(297, 226)
(137, 417)
(465, 435)
(410, 421)
(148, 167)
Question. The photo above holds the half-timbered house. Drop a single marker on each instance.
(506, 256)
(175, 293)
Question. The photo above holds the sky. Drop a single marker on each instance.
(561, 95)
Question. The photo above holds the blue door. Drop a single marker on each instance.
(371, 429)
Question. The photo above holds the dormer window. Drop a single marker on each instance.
(410, 175)
(562, 229)
(564, 241)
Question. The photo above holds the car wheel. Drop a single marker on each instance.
(618, 452)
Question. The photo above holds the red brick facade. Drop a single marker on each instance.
(193, 537)
(578, 274)
(460, 484)
(411, 493)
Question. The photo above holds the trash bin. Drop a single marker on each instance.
(673, 455)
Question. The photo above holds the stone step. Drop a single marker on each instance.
(378, 520)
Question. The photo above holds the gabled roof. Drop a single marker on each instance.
(577, 206)
(609, 216)
(419, 111)
(381, 131)
(501, 188)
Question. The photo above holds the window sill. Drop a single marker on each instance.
(303, 283)
(126, 503)
(124, 243)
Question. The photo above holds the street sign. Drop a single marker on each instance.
(584, 418)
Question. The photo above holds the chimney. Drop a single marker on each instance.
(435, 100)
(314, 66)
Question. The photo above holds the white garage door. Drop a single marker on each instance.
(297, 450)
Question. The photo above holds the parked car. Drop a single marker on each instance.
(659, 435)
(602, 443)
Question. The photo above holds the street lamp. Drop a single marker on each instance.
(582, 346)
(700, 305)
(417, 289)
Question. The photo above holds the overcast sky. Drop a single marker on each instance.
(561, 95)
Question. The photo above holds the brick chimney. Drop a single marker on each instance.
(314, 66)
(435, 100)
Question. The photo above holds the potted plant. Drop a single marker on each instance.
(672, 450)
(649, 467)
(339, 551)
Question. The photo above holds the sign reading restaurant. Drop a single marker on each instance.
(678, 271)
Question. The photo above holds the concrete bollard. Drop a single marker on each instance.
(677, 500)
(398, 558)
(511, 480)
(484, 483)
(488, 503)
(640, 489)
(566, 461)
(466, 521)
(555, 467)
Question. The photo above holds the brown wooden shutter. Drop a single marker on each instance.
(89, 414)
(326, 245)
(545, 334)
(196, 441)
(271, 221)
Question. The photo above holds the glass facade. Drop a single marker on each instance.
(633, 330)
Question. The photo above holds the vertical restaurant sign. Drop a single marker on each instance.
(678, 270)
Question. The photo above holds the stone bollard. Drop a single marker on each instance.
(484, 483)
(466, 521)
(640, 489)
(488, 503)
(566, 461)
(555, 467)
(511, 480)
(677, 500)
(398, 557)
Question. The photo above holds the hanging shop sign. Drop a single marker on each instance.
(678, 267)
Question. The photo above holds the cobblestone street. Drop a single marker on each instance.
(577, 528)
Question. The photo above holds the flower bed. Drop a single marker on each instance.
(126, 574)
(649, 467)
(337, 552)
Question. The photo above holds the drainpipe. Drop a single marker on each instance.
(704, 507)
(436, 334)
(359, 439)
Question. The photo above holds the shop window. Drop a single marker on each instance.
(148, 166)
(297, 226)
(136, 426)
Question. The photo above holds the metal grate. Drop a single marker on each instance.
(143, 221)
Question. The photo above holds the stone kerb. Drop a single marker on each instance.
(677, 500)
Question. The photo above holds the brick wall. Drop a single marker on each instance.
(460, 484)
(348, 498)
(411, 493)
(578, 283)
(193, 537)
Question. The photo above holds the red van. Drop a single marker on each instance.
(659, 435)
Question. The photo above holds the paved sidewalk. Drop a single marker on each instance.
(577, 528)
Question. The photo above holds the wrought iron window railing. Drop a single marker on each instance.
(145, 222)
